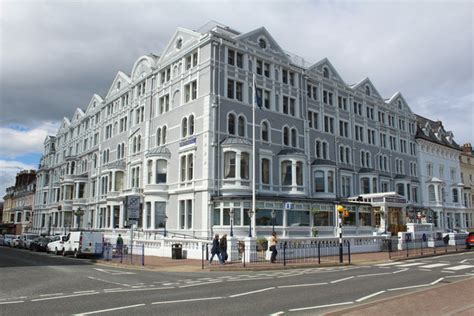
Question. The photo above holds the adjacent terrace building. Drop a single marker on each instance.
(444, 194)
(177, 132)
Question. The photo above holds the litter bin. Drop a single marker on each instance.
(177, 251)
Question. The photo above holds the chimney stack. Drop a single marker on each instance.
(467, 149)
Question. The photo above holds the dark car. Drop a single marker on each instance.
(470, 240)
(39, 244)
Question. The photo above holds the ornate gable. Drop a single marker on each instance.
(95, 103)
(324, 68)
(365, 86)
(120, 82)
(398, 101)
(181, 40)
(78, 114)
(263, 40)
(142, 67)
(65, 125)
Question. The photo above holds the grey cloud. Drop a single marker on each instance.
(55, 55)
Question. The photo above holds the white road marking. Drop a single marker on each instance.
(64, 296)
(252, 279)
(113, 272)
(189, 300)
(340, 280)
(142, 289)
(92, 278)
(113, 289)
(52, 294)
(300, 285)
(369, 296)
(462, 261)
(320, 306)
(461, 267)
(374, 274)
(196, 284)
(79, 292)
(277, 313)
(445, 271)
(402, 270)
(437, 281)
(110, 309)
(11, 302)
(411, 264)
(408, 287)
(434, 265)
(387, 264)
(252, 292)
(425, 270)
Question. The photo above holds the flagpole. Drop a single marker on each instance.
(253, 157)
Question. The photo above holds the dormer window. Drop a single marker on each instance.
(179, 43)
(367, 90)
(262, 43)
(118, 85)
(326, 72)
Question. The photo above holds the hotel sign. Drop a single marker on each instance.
(188, 142)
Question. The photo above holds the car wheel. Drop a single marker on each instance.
(76, 253)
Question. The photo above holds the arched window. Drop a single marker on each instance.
(431, 193)
(161, 171)
(318, 149)
(325, 150)
(94, 161)
(319, 181)
(367, 90)
(326, 72)
(231, 124)
(262, 43)
(163, 135)
(241, 126)
(299, 173)
(244, 165)
(191, 125)
(265, 132)
(158, 137)
(455, 196)
(184, 127)
(286, 174)
(229, 165)
(294, 137)
(286, 136)
(139, 143)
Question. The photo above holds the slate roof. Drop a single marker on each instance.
(427, 129)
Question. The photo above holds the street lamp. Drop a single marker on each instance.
(164, 221)
(250, 214)
(273, 220)
(342, 212)
(231, 213)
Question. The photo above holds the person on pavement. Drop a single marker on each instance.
(215, 250)
(223, 246)
(273, 247)
(119, 244)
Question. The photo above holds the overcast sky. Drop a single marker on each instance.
(56, 54)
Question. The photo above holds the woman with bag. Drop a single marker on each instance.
(273, 247)
(223, 246)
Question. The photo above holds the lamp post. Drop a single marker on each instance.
(164, 221)
(342, 212)
(231, 213)
(273, 220)
(250, 214)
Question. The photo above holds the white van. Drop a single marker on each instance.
(84, 243)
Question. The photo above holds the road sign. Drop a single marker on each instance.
(289, 206)
(132, 205)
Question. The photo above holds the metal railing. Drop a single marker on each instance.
(287, 254)
(398, 249)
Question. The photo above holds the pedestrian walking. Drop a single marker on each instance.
(215, 250)
(119, 244)
(223, 246)
(273, 247)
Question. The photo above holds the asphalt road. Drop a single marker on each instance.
(48, 285)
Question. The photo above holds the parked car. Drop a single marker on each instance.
(57, 244)
(39, 244)
(470, 240)
(26, 239)
(7, 239)
(84, 243)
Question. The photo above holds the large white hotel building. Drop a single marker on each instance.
(177, 132)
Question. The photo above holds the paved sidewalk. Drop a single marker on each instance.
(195, 265)
(450, 299)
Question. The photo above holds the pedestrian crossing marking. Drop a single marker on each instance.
(387, 264)
(461, 267)
(411, 264)
(434, 265)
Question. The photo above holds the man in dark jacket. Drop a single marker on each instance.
(215, 250)
(223, 246)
